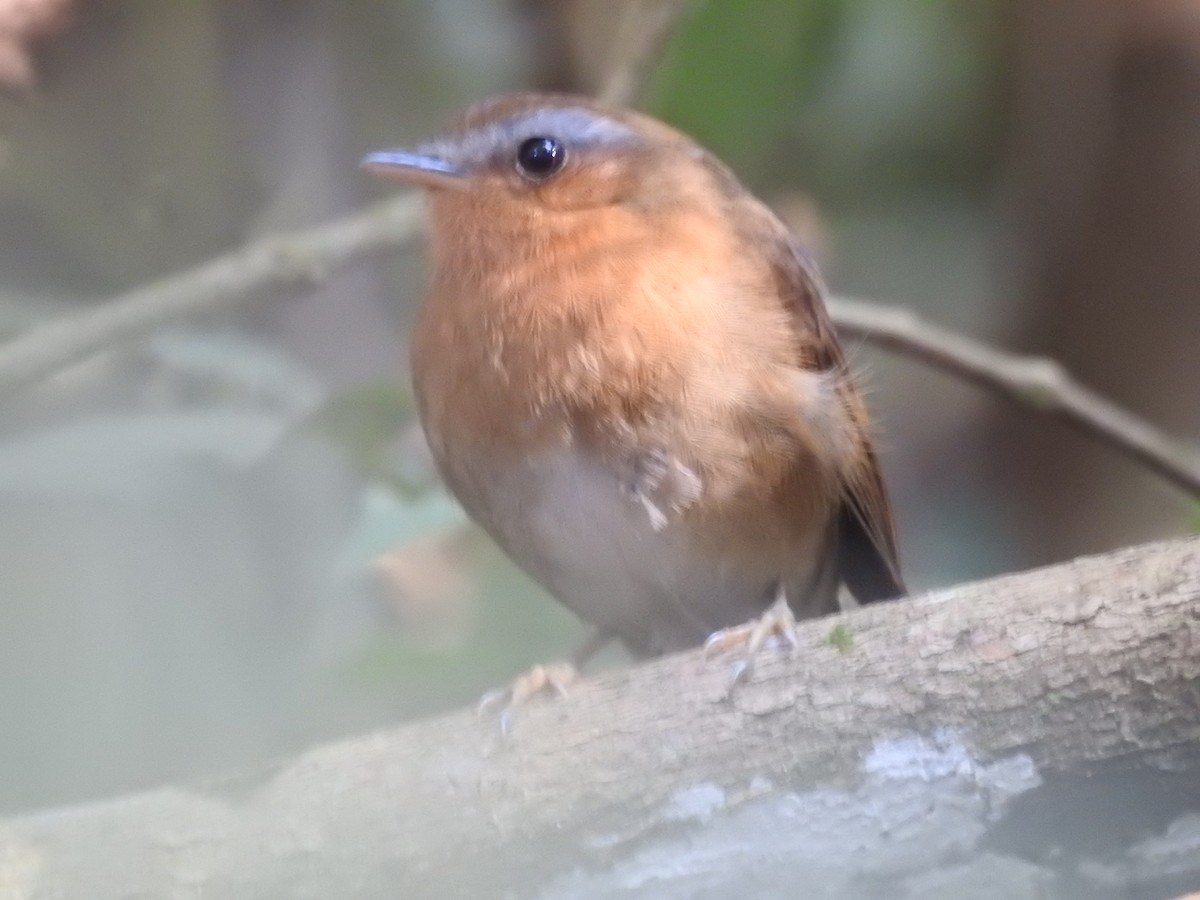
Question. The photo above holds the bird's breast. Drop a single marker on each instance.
(625, 422)
(625, 556)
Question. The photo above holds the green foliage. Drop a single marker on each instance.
(730, 75)
(840, 638)
(388, 521)
(366, 423)
(513, 624)
(854, 99)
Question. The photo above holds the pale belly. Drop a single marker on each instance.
(620, 563)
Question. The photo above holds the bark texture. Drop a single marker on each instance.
(892, 756)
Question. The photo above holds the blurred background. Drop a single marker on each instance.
(226, 543)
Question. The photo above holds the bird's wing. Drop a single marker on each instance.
(868, 560)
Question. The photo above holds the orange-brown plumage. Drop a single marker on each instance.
(627, 376)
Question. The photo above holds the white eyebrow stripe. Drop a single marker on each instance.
(571, 122)
(573, 125)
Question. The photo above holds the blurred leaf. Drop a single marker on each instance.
(117, 454)
(386, 521)
(367, 423)
(906, 103)
(365, 416)
(224, 366)
(732, 71)
(515, 624)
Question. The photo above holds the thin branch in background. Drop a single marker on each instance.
(645, 29)
(311, 256)
(275, 262)
(1042, 384)
(286, 260)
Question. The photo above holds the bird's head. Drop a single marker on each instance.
(549, 160)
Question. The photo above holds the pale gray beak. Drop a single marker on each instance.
(420, 169)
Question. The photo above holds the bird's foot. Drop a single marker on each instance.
(552, 678)
(777, 622)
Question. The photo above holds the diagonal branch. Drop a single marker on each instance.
(1042, 384)
(291, 260)
(645, 30)
(310, 256)
(288, 260)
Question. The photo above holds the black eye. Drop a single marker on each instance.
(540, 156)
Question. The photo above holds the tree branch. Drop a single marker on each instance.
(894, 750)
(300, 258)
(310, 256)
(645, 30)
(1042, 384)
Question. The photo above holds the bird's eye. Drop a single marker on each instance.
(539, 157)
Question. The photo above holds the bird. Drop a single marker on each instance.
(627, 375)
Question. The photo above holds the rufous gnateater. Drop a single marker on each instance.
(627, 375)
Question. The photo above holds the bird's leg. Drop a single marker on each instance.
(549, 678)
(777, 621)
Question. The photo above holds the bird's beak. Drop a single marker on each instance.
(420, 169)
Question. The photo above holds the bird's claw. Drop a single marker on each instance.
(551, 678)
(777, 622)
